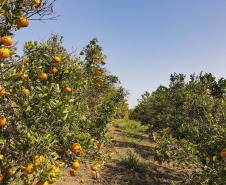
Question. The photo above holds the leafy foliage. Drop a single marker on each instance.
(187, 121)
(46, 111)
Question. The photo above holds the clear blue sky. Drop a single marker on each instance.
(145, 40)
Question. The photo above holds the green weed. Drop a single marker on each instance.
(133, 126)
(132, 162)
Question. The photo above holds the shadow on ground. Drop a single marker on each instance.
(148, 173)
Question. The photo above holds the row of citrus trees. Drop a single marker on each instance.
(54, 107)
(188, 121)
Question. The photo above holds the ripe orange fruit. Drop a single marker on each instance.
(29, 168)
(223, 154)
(52, 180)
(25, 91)
(101, 80)
(2, 120)
(38, 4)
(98, 85)
(11, 173)
(94, 168)
(75, 165)
(42, 183)
(1, 177)
(7, 41)
(22, 22)
(2, 90)
(56, 59)
(100, 146)
(207, 93)
(76, 147)
(103, 62)
(43, 76)
(4, 52)
(73, 172)
(97, 58)
(82, 53)
(52, 70)
(102, 164)
(67, 89)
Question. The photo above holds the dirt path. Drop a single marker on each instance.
(132, 160)
(132, 163)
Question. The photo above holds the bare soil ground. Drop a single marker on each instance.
(132, 162)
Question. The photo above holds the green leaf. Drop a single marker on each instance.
(65, 117)
(14, 105)
(207, 160)
(28, 108)
(13, 72)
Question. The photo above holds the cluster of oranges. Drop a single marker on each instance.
(37, 161)
(96, 68)
(7, 41)
(53, 70)
(76, 147)
(30, 168)
(4, 53)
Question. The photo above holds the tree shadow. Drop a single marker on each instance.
(144, 151)
(150, 175)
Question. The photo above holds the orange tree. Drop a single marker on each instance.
(47, 112)
(187, 121)
(13, 16)
(48, 98)
(102, 91)
(122, 106)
